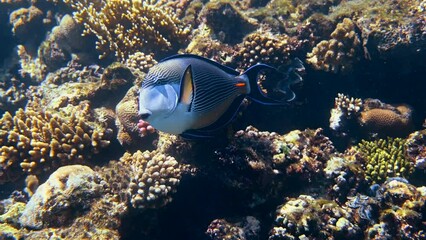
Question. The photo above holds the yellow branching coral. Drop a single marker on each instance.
(340, 52)
(39, 141)
(124, 27)
(385, 158)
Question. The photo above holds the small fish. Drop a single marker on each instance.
(195, 97)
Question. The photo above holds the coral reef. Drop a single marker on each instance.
(139, 63)
(37, 142)
(126, 27)
(385, 119)
(264, 47)
(305, 217)
(346, 177)
(247, 228)
(25, 22)
(416, 149)
(401, 213)
(127, 119)
(345, 108)
(12, 93)
(385, 159)
(340, 52)
(223, 18)
(68, 192)
(154, 178)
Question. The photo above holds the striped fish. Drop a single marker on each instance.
(195, 97)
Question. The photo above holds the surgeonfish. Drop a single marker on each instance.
(195, 97)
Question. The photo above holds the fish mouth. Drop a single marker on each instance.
(144, 114)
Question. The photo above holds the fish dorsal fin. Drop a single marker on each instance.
(187, 88)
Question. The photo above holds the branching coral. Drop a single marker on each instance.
(340, 52)
(154, 178)
(345, 108)
(126, 27)
(35, 142)
(139, 63)
(385, 159)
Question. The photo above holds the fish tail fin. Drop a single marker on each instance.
(278, 91)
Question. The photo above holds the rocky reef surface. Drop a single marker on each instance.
(345, 160)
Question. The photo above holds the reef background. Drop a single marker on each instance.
(345, 159)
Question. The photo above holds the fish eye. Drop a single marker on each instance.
(144, 115)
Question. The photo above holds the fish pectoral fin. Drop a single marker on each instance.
(187, 88)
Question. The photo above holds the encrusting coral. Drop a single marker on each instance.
(36, 142)
(385, 158)
(126, 27)
(340, 52)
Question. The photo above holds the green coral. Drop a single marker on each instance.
(385, 158)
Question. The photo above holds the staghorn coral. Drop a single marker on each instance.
(36, 142)
(309, 218)
(264, 47)
(340, 52)
(154, 177)
(345, 109)
(385, 119)
(126, 27)
(385, 158)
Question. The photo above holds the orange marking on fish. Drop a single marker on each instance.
(240, 84)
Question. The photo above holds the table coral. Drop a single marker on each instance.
(340, 52)
(36, 142)
(126, 27)
(385, 158)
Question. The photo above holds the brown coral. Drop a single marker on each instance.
(386, 119)
(154, 178)
(35, 142)
(264, 47)
(126, 27)
(340, 52)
